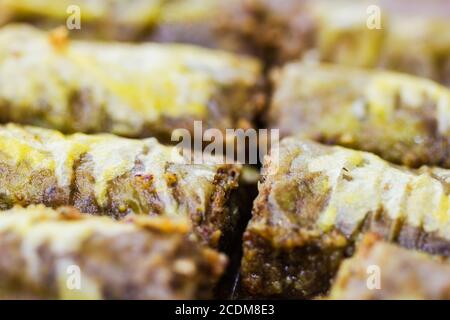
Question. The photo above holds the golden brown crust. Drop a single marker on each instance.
(82, 86)
(380, 270)
(412, 36)
(150, 258)
(315, 202)
(403, 119)
(118, 177)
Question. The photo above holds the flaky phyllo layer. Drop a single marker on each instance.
(348, 186)
(403, 119)
(135, 90)
(402, 274)
(316, 201)
(48, 254)
(105, 174)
